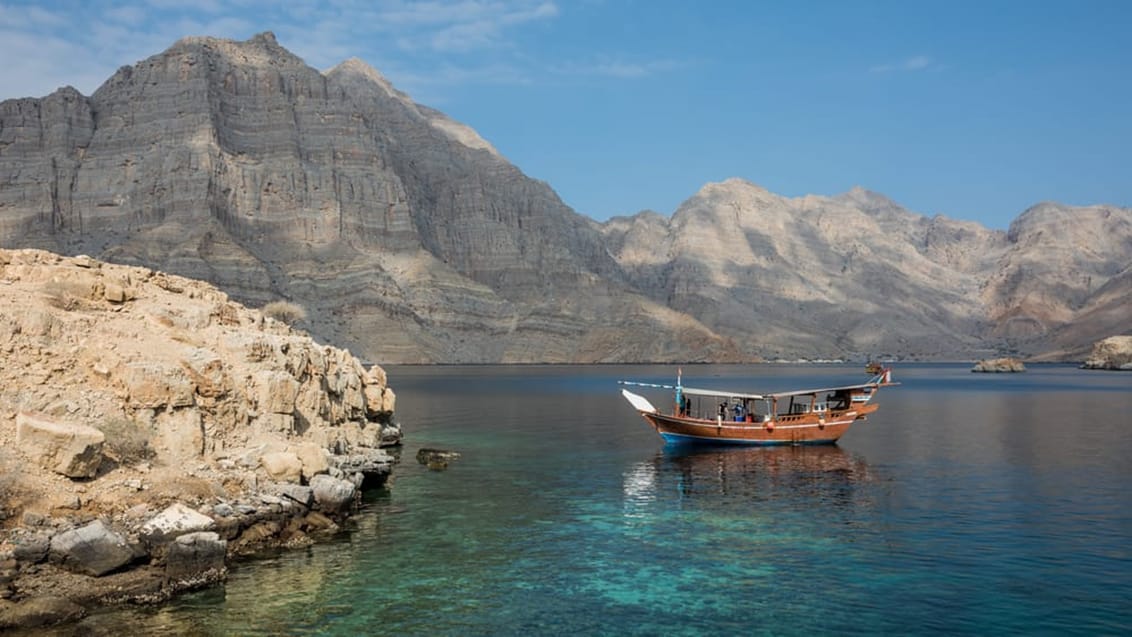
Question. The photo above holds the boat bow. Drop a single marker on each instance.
(640, 403)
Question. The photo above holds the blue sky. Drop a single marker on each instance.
(974, 110)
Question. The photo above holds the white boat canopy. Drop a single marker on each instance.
(692, 391)
(716, 393)
(806, 392)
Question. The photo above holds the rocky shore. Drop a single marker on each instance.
(151, 430)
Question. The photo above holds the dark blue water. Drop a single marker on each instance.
(968, 504)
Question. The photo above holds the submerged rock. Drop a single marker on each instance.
(436, 459)
(39, 611)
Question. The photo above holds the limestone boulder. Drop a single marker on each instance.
(196, 559)
(118, 291)
(174, 521)
(297, 493)
(332, 495)
(93, 549)
(370, 467)
(70, 449)
(282, 466)
(313, 459)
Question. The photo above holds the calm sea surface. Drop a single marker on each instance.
(968, 504)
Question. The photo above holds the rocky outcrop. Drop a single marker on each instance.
(148, 433)
(1113, 353)
(999, 365)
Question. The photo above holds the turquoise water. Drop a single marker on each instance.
(968, 504)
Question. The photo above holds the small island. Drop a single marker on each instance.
(999, 365)
(1112, 353)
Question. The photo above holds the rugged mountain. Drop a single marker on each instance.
(812, 276)
(1064, 278)
(859, 274)
(405, 235)
(409, 238)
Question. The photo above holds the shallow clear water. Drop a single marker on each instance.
(968, 504)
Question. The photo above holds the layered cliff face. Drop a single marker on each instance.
(405, 235)
(857, 273)
(409, 238)
(1064, 277)
(813, 276)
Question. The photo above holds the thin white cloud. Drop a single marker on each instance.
(403, 14)
(16, 16)
(457, 26)
(208, 6)
(426, 43)
(914, 63)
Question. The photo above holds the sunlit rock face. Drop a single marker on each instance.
(857, 273)
(1114, 352)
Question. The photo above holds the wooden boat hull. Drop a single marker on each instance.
(801, 417)
(800, 430)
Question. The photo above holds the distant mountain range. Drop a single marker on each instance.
(409, 238)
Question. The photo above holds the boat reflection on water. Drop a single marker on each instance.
(828, 475)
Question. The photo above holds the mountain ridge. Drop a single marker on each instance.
(410, 238)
